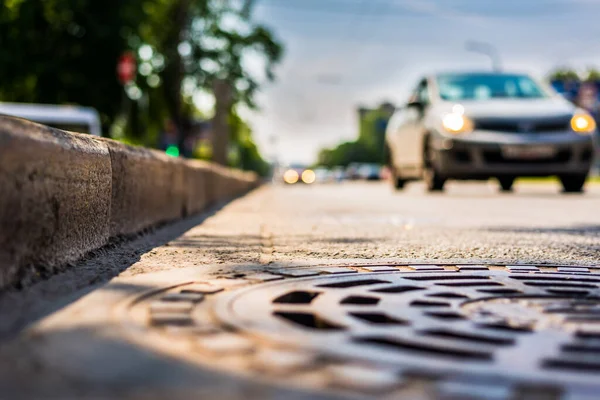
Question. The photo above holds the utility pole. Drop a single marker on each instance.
(223, 92)
(489, 50)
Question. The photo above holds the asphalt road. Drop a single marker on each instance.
(274, 227)
(470, 222)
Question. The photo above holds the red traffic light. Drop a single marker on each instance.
(126, 68)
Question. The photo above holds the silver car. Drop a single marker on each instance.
(488, 125)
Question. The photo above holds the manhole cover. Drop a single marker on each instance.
(378, 328)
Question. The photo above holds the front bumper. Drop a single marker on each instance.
(480, 155)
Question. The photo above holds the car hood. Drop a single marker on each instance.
(499, 108)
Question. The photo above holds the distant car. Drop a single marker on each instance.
(323, 175)
(489, 125)
(293, 174)
(352, 171)
(68, 118)
(338, 174)
(370, 172)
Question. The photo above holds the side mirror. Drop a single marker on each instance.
(416, 104)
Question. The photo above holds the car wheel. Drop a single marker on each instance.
(397, 181)
(433, 179)
(573, 183)
(506, 183)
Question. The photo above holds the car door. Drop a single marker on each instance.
(393, 138)
(412, 142)
(398, 133)
(419, 129)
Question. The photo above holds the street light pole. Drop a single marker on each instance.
(489, 50)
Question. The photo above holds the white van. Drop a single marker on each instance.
(68, 118)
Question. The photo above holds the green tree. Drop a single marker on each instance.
(65, 51)
(369, 148)
(564, 74)
(247, 155)
(592, 74)
(204, 41)
(372, 126)
(346, 153)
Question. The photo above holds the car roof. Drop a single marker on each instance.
(49, 114)
(496, 73)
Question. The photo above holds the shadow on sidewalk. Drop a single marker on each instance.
(19, 308)
(95, 363)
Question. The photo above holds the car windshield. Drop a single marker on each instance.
(455, 87)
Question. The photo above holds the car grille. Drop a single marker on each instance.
(554, 124)
(496, 157)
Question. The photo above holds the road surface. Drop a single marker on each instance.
(96, 341)
(468, 223)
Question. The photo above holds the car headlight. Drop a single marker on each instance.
(308, 176)
(583, 124)
(291, 176)
(456, 123)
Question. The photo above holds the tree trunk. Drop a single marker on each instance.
(220, 126)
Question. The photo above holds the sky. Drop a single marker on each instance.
(342, 54)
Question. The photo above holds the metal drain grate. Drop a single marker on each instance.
(526, 326)
(520, 327)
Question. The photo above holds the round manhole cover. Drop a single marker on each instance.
(374, 328)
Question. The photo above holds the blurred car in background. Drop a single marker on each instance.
(68, 118)
(369, 172)
(324, 175)
(339, 174)
(293, 174)
(352, 170)
(489, 125)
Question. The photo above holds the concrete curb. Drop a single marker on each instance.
(147, 188)
(63, 195)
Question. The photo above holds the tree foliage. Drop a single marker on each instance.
(346, 153)
(567, 74)
(66, 52)
(369, 148)
(564, 74)
(247, 156)
(592, 74)
(204, 40)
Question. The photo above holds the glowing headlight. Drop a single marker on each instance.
(583, 124)
(456, 123)
(290, 176)
(308, 176)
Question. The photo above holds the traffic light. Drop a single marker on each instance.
(172, 151)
